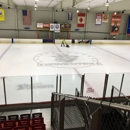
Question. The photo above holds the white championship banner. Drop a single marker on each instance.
(52, 28)
(57, 27)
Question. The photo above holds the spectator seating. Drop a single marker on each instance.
(2, 118)
(6, 128)
(23, 122)
(10, 123)
(21, 128)
(36, 115)
(38, 127)
(25, 116)
(37, 120)
(13, 117)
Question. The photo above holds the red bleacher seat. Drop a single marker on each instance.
(10, 123)
(13, 117)
(25, 116)
(24, 122)
(6, 128)
(22, 128)
(37, 121)
(2, 118)
(36, 115)
(38, 127)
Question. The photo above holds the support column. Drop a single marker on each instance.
(85, 25)
(17, 26)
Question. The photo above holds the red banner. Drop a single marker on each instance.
(46, 25)
(81, 20)
(115, 24)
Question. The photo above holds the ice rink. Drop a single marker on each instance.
(44, 61)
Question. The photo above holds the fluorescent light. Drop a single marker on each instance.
(36, 0)
(107, 3)
(77, 11)
(35, 5)
(115, 13)
(88, 8)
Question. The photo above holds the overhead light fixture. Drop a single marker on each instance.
(36, 0)
(35, 8)
(123, 11)
(115, 13)
(89, 6)
(35, 5)
(77, 11)
(107, 3)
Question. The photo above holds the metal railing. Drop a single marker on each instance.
(104, 113)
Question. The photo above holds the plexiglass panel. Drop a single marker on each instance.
(18, 89)
(43, 86)
(94, 85)
(113, 80)
(69, 83)
(126, 84)
(2, 99)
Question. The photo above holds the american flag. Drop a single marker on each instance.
(26, 17)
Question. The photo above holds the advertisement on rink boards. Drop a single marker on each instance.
(115, 24)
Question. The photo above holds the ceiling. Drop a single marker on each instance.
(40, 3)
(80, 4)
(95, 5)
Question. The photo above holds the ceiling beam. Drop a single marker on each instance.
(60, 3)
(7, 3)
(77, 2)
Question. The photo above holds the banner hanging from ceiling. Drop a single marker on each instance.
(105, 18)
(57, 27)
(115, 24)
(70, 15)
(81, 20)
(2, 15)
(98, 19)
(26, 17)
(128, 27)
(65, 27)
(52, 26)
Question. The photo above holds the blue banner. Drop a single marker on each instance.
(70, 15)
(128, 27)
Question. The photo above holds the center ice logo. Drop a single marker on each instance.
(65, 60)
(64, 57)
